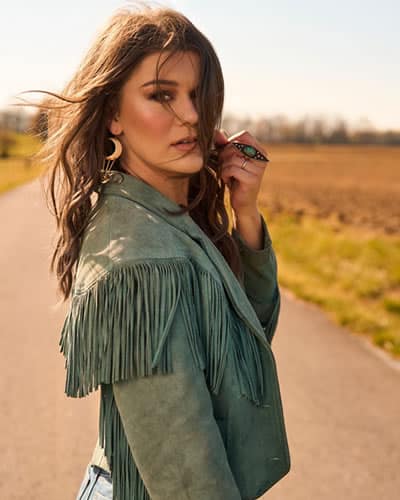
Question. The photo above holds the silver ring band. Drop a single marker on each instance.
(245, 160)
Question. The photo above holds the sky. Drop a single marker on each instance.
(297, 58)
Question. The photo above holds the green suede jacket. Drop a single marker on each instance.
(190, 404)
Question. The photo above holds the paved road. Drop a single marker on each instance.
(46, 437)
(342, 413)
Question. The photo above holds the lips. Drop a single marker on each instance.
(189, 139)
(192, 147)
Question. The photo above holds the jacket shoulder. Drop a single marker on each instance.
(121, 232)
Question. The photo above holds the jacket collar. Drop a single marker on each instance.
(133, 188)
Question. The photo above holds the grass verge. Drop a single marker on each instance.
(352, 275)
(19, 167)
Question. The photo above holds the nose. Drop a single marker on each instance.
(188, 112)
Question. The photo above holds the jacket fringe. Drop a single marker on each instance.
(119, 328)
(127, 484)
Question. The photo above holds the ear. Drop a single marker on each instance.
(114, 126)
(113, 122)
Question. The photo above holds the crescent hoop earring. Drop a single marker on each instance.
(106, 171)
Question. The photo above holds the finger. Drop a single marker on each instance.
(250, 151)
(235, 158)
(245, 137)
(230, 152)
(242, 175)
(220, 137)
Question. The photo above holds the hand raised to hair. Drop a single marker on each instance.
(243, 183)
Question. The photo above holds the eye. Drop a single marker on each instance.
(158, 96)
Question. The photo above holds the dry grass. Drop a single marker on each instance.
(356, 185)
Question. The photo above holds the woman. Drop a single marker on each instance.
(172, 316)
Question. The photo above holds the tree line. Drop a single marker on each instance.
(267, 129)
(310, 130)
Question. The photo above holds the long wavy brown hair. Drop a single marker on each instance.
(77, 132)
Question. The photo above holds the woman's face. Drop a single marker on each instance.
(147, 130)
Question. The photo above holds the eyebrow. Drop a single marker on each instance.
(166, 82)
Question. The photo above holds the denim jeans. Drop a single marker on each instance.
(96, 484)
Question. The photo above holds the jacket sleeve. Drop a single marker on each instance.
(172, 432)
(260, 279)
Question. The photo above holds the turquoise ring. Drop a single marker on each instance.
(249, 151)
